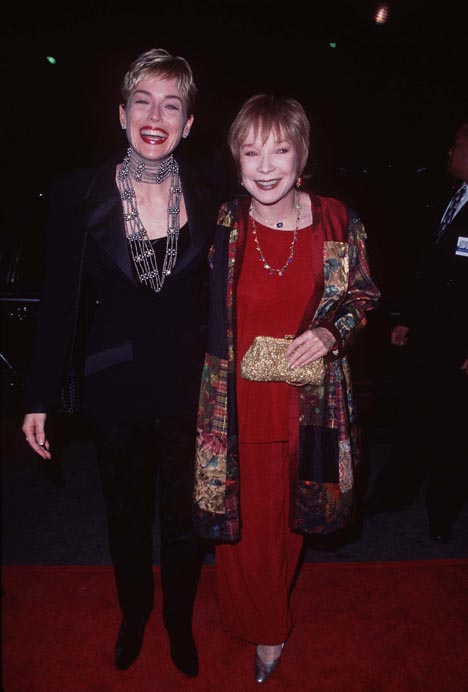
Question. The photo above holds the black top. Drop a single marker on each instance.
(159, 245)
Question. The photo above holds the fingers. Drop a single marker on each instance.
(302, 357)
(309, 346)
(399, 335)
(398, 339)
(34, 431)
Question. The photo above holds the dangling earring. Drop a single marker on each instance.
(299, 182)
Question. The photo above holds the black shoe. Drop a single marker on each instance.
(440, 531)
(129, 642)
(184, 655)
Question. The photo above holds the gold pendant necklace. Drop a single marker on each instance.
(265, 263)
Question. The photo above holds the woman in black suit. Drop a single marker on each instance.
(139, 229)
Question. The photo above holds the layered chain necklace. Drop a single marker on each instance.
(266, 265)
(141, 248)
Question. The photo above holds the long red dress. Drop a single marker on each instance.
(255, 575)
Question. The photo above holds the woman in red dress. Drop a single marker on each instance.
(275, 461)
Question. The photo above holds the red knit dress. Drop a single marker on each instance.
(255, 574)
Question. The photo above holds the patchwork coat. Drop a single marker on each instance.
(324, 444)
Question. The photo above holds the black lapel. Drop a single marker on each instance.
(104, 219)
(201, 205)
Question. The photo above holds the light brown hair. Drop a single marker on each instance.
(267, 113)
(157, 62)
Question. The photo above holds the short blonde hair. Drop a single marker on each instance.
(267, 113)
(157, 62)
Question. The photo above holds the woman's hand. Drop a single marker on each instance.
(34, 430)
(399, 335)
(309, 346)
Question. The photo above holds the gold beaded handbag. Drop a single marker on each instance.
(264, 361)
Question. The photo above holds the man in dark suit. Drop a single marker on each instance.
(431, 443)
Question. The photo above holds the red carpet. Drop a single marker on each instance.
(360, 627)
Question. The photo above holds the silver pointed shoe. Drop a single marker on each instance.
(264, 670)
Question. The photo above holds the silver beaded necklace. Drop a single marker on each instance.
(266, 265)
(141, 248)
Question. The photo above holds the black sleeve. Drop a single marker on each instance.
(64, 236)
(418, 285)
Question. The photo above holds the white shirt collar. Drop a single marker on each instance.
(461, 202)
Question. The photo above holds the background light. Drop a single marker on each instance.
(382, 13)
(51, 60)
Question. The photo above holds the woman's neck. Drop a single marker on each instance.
(146, 171)
(280, 214)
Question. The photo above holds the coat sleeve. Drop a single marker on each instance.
(57, 302)
(418, 285)
(361, 296)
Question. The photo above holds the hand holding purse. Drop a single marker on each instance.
(265, 361)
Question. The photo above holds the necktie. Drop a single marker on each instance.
(450, 212)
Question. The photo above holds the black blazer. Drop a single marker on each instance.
(435, 308)
(143, 352)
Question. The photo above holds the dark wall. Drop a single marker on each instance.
(384, 94)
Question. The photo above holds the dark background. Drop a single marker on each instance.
(386, 94)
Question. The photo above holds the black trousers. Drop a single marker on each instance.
(429, 444)
(135, 458)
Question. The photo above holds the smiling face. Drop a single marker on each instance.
(269, 167)
(155, 117)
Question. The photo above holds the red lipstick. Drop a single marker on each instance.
(152, 135)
